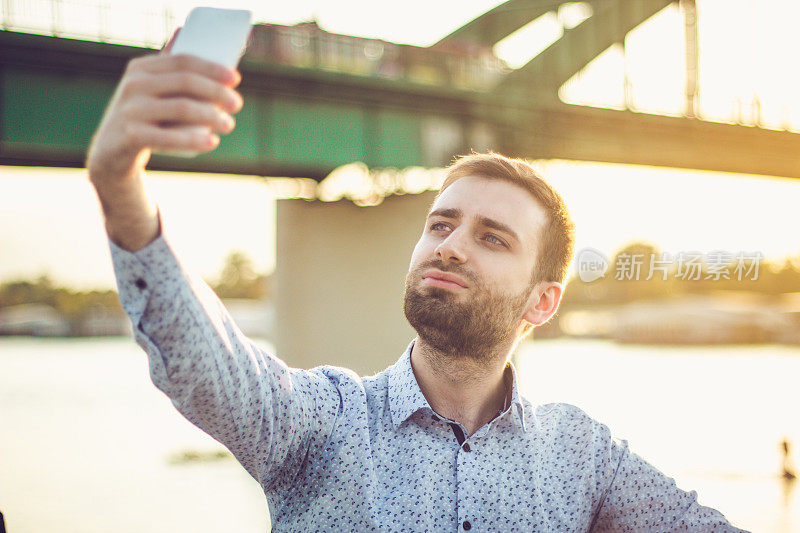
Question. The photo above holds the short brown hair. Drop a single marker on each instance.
(556, 247)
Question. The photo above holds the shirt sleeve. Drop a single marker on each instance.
(639, 497)
(270, 416)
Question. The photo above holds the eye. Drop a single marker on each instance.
(439, 226)
(494, 240)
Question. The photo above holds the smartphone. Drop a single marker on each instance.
(218, 35)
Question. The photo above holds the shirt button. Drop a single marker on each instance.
(142, 284)
(466, 525)
(466, 449)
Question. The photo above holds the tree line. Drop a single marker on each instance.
(640, 271)
(238, 279)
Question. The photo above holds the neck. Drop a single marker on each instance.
(463, 388)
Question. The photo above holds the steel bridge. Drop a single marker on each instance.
(303, 121)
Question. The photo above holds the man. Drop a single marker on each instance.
(441, 440)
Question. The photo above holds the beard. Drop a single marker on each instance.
(475, 327)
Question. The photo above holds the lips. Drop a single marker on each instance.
(444, 279)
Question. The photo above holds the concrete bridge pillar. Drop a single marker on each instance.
(340, 277)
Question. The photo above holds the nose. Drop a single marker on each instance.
(451, 249)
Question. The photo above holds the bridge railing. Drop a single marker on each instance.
(303, 45)
(308, 46)
(128, 23)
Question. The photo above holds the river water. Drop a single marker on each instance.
(86, 440)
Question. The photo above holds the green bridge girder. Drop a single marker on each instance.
(304, 122)
(295, 122)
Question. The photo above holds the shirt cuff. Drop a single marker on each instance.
(152, 270)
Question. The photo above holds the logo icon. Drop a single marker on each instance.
(590, 264)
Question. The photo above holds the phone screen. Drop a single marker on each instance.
(218, 35)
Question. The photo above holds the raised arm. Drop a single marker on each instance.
(270, 416)
(162, 103)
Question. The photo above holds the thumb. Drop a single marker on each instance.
(167, 47)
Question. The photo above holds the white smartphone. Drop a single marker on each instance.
(218, 35)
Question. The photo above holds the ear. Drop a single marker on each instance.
(543, 302)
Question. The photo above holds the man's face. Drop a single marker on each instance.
(469, 283)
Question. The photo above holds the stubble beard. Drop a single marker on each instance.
(477, 327)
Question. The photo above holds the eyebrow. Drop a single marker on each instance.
(456, 214)
(446, 213)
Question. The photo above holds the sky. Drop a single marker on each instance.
(50, 221)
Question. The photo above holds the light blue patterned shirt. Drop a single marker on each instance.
(337, 452)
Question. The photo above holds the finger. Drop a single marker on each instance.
(237, 78)
(162, 63)
(185, 138)
(186, 84)
(167, 47)
(181, 111)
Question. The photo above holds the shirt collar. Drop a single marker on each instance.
(406, 398)
(516, 400)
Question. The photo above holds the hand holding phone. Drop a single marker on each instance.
(168, 105)
(217, 35)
